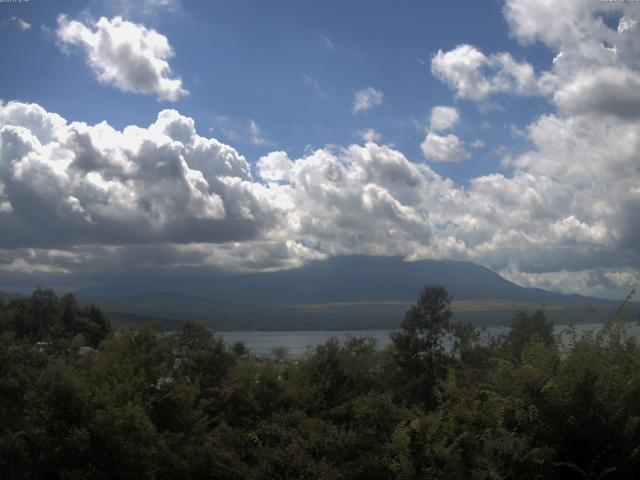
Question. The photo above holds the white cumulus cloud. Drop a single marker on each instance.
(94, 184)
(444, 148)
(366, 99)
(126, 55)
(443, 118)
(476, 76)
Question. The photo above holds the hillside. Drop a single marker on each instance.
(343, 292)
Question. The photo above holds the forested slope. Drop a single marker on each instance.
(148, 405)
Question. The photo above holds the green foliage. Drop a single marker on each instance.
(419, 350)
(43, 317)
(440, 402)
(526, 328)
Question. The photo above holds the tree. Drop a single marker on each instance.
(239, 349)
(68, 311)
(419, 351)
(467, 344)
(43, 305)
(43, 317)
(526, 328)
(193, 336)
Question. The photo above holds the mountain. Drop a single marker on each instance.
(345, 278)
(342, 292)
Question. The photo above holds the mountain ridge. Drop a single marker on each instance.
(342, 292)
(345, 278)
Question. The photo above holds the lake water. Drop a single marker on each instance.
(298, 343)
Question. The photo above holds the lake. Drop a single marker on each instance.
(298, 343)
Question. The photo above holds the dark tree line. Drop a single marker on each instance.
(440, 402)
(44, 317)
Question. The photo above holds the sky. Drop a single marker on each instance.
(160, 136)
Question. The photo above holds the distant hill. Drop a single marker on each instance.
(342, 292)
(8, 296)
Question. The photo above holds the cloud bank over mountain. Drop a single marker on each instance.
(561, 214)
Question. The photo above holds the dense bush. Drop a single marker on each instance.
(152, 405)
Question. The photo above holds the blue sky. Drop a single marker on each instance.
(291, 67)
(253, 136)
